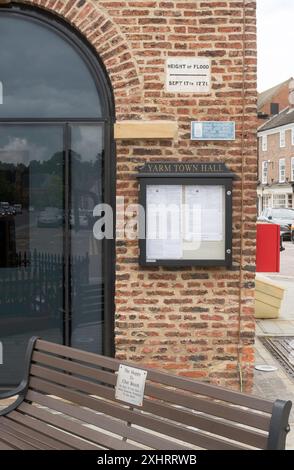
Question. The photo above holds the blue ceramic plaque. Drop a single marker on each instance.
(213, 130)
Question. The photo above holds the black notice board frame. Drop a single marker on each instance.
(163, 173)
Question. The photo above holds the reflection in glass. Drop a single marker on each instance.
(51, 279)
(42, 75)
(31, 241)
(86, 158)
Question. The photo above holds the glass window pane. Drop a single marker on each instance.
(31, 241)
(42, 75)
(87, 149)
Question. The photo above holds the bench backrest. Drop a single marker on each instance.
(177, 413)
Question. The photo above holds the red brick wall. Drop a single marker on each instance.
(183, 320)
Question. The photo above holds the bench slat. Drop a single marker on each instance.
(16, 442)
(27, 437)
(161, 377)
(4, 446)
(134, 416)
(63, 437)
(34, 435)
(99, 438)
(106, 422)
(220, 410)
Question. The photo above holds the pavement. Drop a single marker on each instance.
(278, 385)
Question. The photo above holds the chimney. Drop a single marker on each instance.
(291, 93)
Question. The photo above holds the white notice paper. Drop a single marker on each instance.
(130, 385)
(164, 228)
(204, 213)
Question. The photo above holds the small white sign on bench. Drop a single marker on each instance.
(130, 385)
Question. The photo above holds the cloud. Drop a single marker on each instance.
(275, 20)
(19, 150)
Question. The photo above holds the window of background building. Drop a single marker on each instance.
(264, 143)
(290, 201)
(282, 139)
(280, 200)
(265, 172)
(267, 201)
(282, 170)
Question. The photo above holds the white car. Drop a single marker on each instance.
(83, 220)
(18, 208)
(50, 217)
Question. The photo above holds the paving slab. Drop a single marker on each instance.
(273, 385)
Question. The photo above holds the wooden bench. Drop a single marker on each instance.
(67, 401)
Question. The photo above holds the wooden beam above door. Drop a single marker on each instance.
(145, 130)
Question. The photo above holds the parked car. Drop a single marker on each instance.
(282, 248)
(11, 210)
(18, 208)
(279, 216)
(82, 220)
(292, 232)
(7, 210)
(50, 217)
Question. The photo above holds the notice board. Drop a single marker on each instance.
(187, 216)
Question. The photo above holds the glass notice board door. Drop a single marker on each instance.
(188, 222)
(184, 222)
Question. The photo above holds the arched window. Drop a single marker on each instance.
(56, 116)
(43, 74)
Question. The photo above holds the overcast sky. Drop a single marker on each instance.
(275, 23)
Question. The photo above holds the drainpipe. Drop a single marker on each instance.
(243, 150)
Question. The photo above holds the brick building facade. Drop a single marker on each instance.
(276, 161)
(197, 322)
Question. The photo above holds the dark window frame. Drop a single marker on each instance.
(104, 90)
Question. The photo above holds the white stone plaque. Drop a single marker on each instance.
(130, 385)
(188, 75)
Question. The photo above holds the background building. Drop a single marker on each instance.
(276, 161)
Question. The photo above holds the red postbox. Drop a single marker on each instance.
(268, 248)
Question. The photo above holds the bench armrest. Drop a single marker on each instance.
(19, 394)
(22, 388)
(279, 425)
(11, 393)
